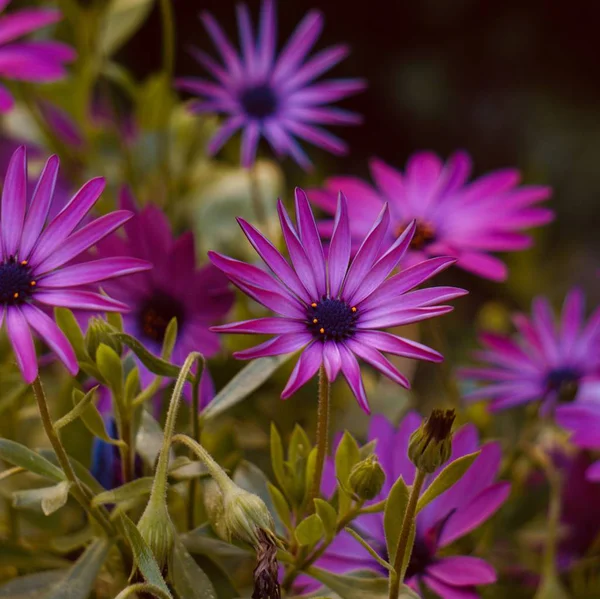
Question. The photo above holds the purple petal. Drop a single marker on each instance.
(386, 342)
(572, 318)
(39, 207)
(279, 302)
(25, 21)
(461, 570)
(222, 44)
(246, 37)
(330, 91)
(388, 179)
(332, 360)
(306, 367)
(543, 320)
(447, 591)
(387, 318)
(283, 344)
(340, 248)
(378, 361)
(210, 65)
(47, 329)
(247, 273)
(351, 371)
(14, 201)
(483, 265)
(266, 37)
(22, 343)
(263, 326)
(318, 137)
(6, 100)
(80, 300)
(320, 63)
(250, 137)
(593, 472)
(224, 134)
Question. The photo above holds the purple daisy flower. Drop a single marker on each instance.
(273, 96)
(37, 61)
(331, 308)
(454, 218)
(455, 513)
(197, 297)
(35, 257)
(544, 362)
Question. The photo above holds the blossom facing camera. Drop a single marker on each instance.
(36, 61)
(430, 445)
(554, 364)
(272, 96)
(332, 308)
(467, 220)
(36, 270)
(367, 478)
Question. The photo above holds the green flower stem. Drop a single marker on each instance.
(77, 490)
(322, 436)
(404, 550)
(195, 407)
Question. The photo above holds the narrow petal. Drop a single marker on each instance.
(483, 265)
(399, 346)
(263, 326)
(80, 300)
(331, 360)
(279, 302)
(306, 367)
(47, 329)
(14, 201)
(266, 37)
(449, 591)
(222, 44)
(320, 63)
(462, 570)
(572, 318)
(250, 137)
(543, 320)
(283, 344)
(22, 343)
(6, 100)
(378, 361)
(21, 23)
(224, 134)
(399, 317)
(318, 137)
(340, 248)
(247, 273)
(246, 38)
(351, 372)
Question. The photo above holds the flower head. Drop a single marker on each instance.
(174, 288)
(331, 308)
(35, 257)
(452, 515)
(273, 96)
(454, 218)
(430, 446)
(544, 362)
(37, 61)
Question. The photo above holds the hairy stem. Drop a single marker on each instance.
(322, 436)
(195, 407)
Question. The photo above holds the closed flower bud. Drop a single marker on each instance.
(99, 331)
(156, 529)
(215, 508)
(430, 445)
(367, 478)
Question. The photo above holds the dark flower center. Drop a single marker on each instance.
(420, 558)
(157, 313)
(332, 319)
(259, 101)
(565, 382)
(16, 282)
(424, 235)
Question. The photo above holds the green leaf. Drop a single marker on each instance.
(328, 517)
(111, 368)
(346, 456)
(370, 549)
(149, 438)
(79, 580)
(136, 489)
(70, 327)
(81, 402)
(115, 320)
(243, 384)
(393, 516)
(449, 476)
(281, 505)
(19, 455)
(132, 386)
(182, 468)
(143, 556)
(29, 559)
(91, 417)
(186, 576)
(202, 540)
(153, 363)
(277, 457)
(311, 466)
(32, 586)
(169, 339)
(351, 587)
(50, 499)
(299, 446)
(121, 20)
(70, 542)
(81, 472)
(310, 531)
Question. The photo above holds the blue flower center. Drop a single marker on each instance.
(16, 282)
(564, 381)
(332, 319)
(157, 313)
(259, 101)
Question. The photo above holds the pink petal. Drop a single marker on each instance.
(14, 202)
(21, 340)
(306, 367)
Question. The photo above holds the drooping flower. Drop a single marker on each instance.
(455, 513)
(37, 61)
(454, 218)
(271, 96)
(544, 362)
(174, 288)
(35, 257)
(332, 308)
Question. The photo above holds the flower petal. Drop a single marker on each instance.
(22, 343)
(332, 360)
(263, 326)
(80, 300)
(351, 371)
(14, 202)
(378, 361)
(306, 367)
(447, 591)
(399, 346)
(283, 344)
(462, 570)
(340, 248)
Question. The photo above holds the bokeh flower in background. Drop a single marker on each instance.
(544, 362)
(174, 288)
(466, 220)
(331, 308)
(36, 61)
(272, 96)
(34, 261)
(451, 516)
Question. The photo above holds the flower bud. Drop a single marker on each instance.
(367, 478)
(99, 331)
(215, 508)
(157, 530)
(430, 445)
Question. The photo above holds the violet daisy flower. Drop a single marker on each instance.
(34, 259)
(174, 288)
(455, 513)
(454, 218)
(544, 362)
(331, 308)
(273, 96)
(36, 61)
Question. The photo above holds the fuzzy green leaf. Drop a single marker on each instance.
(346, 456)
(277, 457)
(50, 499)
(281, 505)
(328, 516)
(394, 515)
(188, 579)
(30, 586)
(111, 368)
(310, 531)
(70, 327)
(135, 489)
(19, 455)
(352, 587)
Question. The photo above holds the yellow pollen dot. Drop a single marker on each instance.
(24, 263)
(322, 330)
(315, 321)
(314, 304)
(16, 295)
(353, 308)
(33, 283)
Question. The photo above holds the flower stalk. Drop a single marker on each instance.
(323, 412)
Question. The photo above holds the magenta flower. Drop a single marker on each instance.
(454, 218)
(173, 288)
(34, 259)
(273, 96)
(331, 308)
(36, 61)
(544, 362)
(455, 513)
